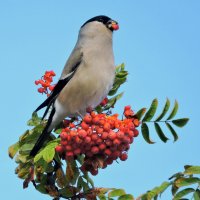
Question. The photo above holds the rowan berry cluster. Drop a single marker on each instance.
(101, 138)
(45, 82)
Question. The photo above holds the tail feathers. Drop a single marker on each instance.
(40, 142)
(43, 137)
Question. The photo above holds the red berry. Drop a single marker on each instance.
(127, 108)
(126, 139)
(78, 140)
(82, 168)
(120, 134)
(59, 149)
(123, 157)
(41, 90)
(104, 165)
(104, 102)
(104, 135)
(127, 147)
(131, 140)
(108, 142)
(95, 120)
(106, 127)
(68, 147)
(69, 154)
(51, 87)
(89, 131)
(99, 141)
(94, 137)
(136, 133)
(121, 147)
(136, 122)
(102, 146)
(63, 142)
(94, 172)
(63, 135)
(73, 133)
(87, 139)
(99, 130)
(107, 152)
(112, 135)
(109, 161)
(84, 126)
(116, 142)
(71, 125)
(77, 151)
(37, 82)
(52, 73)
(115, 154)
(66, 122)
(128, 113)
(87, 119)
(94, 150)
(82, 133)
(130, 134)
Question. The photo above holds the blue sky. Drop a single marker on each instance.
(159, 43)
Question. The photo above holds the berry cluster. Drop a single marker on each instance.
(100, 138)
(45, 82)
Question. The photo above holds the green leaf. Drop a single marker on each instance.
(23, 170)
(60, 177)
(103, 191)
(72, 172)
(183, 193)
(58, 131)
(151, 112)
(160, 133)
(79, 183)
(163, 186)
(157, 190)
(174, 189)
(116, 193)
(113, 91)
(186, 181)
(48, 151)
(13, 149)
(126, 197)
(21, 158)
(122, 74)
(41, 188)
(31, 136)
(197, 195)
(120, 67)
(165, 109)
(26, 148)
(140, 113)
(173, 132)
(48, 155)
(174, 111)
(112, 101)
(145, 133)
(89, 180)
(102, 197)
(35, 120)
(180, 122)
(192, 170)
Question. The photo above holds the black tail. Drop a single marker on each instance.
(43, 137)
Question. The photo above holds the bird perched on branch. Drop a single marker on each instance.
(87, 77)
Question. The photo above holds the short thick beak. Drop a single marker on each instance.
(114, 25)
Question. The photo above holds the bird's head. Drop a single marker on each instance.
(111, 24)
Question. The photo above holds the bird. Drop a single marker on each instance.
(86, 79)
